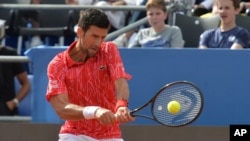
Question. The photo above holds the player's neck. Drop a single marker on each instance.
(77, 55)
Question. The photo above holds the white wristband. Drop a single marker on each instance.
(89, 112)
(16, 101)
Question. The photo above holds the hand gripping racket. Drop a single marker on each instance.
(185, 93)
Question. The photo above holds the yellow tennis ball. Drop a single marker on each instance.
(174, 107)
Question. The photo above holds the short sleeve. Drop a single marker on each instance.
(243, 38)
(116, 66)
(56, 78)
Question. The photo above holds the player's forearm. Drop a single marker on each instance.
(65, 109)
(122, 89)
(70, 112)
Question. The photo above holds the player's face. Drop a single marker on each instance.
(156, 16)
(227, 11)
(91, 40)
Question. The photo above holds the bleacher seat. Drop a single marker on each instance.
(243, 21)
(53, 23)
(192, 27)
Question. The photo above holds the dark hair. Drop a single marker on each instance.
(94, 17)
(236, 3)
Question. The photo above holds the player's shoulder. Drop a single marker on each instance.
(108, 46)
(57, 60)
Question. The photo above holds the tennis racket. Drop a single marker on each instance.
(185, 93)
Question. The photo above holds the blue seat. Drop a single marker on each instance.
(25, 106)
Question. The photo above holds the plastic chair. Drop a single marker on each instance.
(192, 27)
(243, 21)
(53, 22)
(9, 16)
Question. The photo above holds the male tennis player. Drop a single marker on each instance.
(88, 84)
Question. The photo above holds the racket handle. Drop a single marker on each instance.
(132, 113)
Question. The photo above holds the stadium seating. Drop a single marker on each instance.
(243, 21)
(53, 23)
(192, 27)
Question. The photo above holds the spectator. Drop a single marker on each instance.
(117, 18)
(30, 18)
(228, 35)
(244, 5)
(243, 9)
(159, 34)
(80, 2)
(202, 7)
(90, 91)
(124, 39)
(9, 99)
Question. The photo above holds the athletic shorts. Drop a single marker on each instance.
(70, 137)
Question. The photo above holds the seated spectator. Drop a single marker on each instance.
(124, 39)
(29, 18)
(243, 9)
(80, 2)
(244, 5)
(159, 34)
(9, 100)
(202, 7)
(228, 35)
(117, 18)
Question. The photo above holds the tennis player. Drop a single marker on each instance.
(88, 84)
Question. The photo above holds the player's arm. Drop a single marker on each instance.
(122, 110)
(64, 109)
(122, 89)
(69, 111)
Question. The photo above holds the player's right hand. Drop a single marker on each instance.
(105, 116)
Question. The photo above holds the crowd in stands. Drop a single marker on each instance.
(120, 19)
(157, 32)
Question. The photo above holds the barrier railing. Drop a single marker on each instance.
(15, 118)
(14, 59)
(64, 6)
(4, 59)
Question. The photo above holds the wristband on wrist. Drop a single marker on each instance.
(121, 103)
(16, 101)
(89, 112)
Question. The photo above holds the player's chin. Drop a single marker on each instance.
(92, 52)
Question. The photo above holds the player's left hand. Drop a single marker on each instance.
(123, 115)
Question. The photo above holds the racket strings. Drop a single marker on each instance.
(189, 98)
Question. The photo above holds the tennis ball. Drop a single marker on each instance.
(174, 107)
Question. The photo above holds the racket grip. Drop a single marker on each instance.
(132, 113)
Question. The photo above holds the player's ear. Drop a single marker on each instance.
(79, 32)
